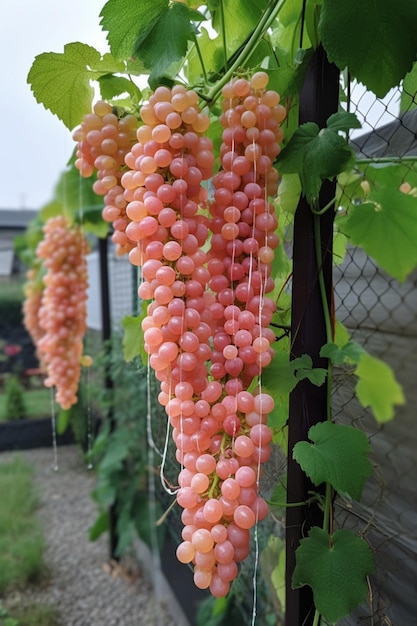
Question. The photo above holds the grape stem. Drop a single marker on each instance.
(216, 477)
(165, 514)
(328, 504)
(223, 27)
(264, 23)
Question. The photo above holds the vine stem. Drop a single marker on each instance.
(264, 23)
(200, 58)
(328, 507)
(223, 33)
(404, 159)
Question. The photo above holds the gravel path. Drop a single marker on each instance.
(84, 587)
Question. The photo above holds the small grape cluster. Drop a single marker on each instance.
(33, 292)
(104, 139)
(62, 314)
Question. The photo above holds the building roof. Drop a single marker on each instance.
(16, 219)
(395, 139)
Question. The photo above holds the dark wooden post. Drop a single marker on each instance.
(108, 381)
(318, 100)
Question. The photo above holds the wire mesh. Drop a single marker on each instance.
(381, 314)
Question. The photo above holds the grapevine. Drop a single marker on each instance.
(201, 225)
(62, 314)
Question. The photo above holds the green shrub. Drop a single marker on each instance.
(21, 539)
(15, 403)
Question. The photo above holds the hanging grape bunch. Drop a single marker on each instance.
(206, 329)
(103, 140)
(62, 314)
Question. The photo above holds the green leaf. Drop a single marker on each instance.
(338, 455)
(335, 567)
(316, 154)
(62, 81)
(278, 573)
(409, 91)
(303, 368)
(74, 197)
(375, 39)
(167, 40)
(343, 121)
(105, 493)
(240, 19)
(388, 216)
(112, 86)
(291, 72)
(125, 21)
(132, 337)
(351, 352)
(289, 192)
(377, 388)
(115, 455)
(341, 335)
(100, 526)
(340, 242)
(63, 421)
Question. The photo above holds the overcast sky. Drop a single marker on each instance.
(35, 145)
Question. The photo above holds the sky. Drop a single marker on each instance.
(35, 145)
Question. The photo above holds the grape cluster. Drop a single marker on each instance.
(33, 292)
(206, 328)
(243, 226)
(104, 139)
(62, 314)
(219, 483)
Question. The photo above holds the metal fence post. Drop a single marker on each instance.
(318, 100)
(108, 381)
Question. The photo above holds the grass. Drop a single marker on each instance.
(37, 403)
(21, 538)
(32, 615)
(12, 289)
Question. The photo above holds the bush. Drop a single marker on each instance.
(21, 537)
(15, 403)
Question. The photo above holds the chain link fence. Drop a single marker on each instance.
(381, 314)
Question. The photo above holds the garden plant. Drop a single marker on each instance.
(198, 159)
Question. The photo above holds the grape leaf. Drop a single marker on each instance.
(377, 387)
(124, 21)
(289, 192)
(61, 81)
(375, 39)
(351, 351)
(237, 30)
(338, 455)
(167, 40)
(111, 86)
(211, 51)
(409, 91)
(74, 195)
(303, 368)
(335, 567)
(101, 525)
(386, 228)
(282, 375)
(316, 154)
